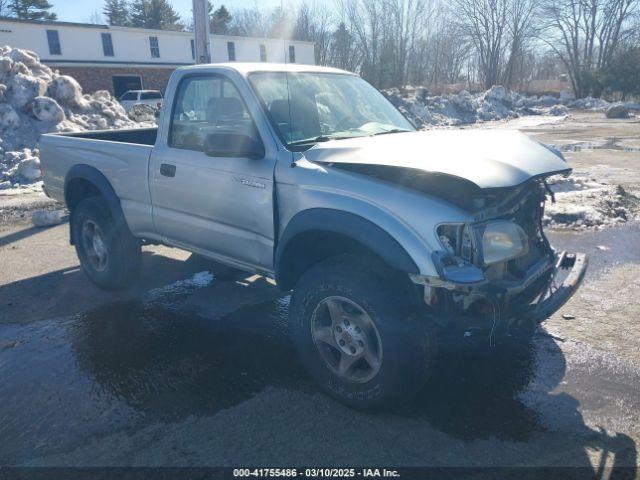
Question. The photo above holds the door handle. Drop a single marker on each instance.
(167, 170)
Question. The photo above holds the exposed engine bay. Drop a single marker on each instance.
(501, 267)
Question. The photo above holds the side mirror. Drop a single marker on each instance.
(233, 145)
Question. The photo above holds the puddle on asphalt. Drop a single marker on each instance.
(606, 248)
(604, 144)
(127, 364)
(169, 365)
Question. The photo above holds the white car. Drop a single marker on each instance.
(153, 98)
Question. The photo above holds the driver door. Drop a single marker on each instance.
(219, 206)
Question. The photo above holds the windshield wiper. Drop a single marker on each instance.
(305, 141)
(394, 130)
(321, 138)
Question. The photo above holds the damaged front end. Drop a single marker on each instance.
(499, 273)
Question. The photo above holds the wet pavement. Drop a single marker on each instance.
(172, 377)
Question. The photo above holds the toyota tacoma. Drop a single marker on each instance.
(388, 237)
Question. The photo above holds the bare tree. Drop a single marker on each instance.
(485, 22)
(586, 35)
(407, 20)
(249, 22)
(313, 23)
(521, 30)
(366, 20)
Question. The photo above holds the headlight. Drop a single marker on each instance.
(502, 241)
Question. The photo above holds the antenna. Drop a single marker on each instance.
(286, 77)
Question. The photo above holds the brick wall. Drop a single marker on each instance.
(101, 78)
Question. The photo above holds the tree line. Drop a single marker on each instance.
(595, 43)
(477, 43)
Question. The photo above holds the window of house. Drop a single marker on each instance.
(292, 54)
(231, 51)
(193, 49)
(54, 42)
(205, 105)
(107, 44)
(263, 53)
(154, 47)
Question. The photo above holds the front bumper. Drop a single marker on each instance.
(577, 264)
(528, 301)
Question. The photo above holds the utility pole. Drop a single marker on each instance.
(201, 31)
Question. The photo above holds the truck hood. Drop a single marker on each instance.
(486, 158)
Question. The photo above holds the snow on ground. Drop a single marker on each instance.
(34, 100)
(497, 103)
(582, 202)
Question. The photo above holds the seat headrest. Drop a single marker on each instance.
(279, 110)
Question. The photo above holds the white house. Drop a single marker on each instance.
(117, 59)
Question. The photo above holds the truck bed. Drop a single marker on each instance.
(122, 156)
(140, 136)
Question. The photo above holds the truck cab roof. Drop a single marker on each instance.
(246, 68)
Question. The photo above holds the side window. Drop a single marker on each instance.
(150, 96)
(129, 96)
(204, 105)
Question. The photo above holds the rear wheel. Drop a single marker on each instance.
(109, 254)
(358, 335)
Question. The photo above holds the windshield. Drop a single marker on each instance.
(306, 108)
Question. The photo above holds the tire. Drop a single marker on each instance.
(113, 261)
(389, 362)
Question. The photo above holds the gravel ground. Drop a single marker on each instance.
(194, 367)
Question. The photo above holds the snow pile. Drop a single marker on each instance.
(497, 103)
(181, 287)
(47, 218)
(34, 100)
(142, 113)
(582, 202)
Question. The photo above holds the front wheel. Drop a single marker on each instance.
(357, 333)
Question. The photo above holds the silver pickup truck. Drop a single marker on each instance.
(389, 237)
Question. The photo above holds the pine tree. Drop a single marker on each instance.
(117, 12)
(32, 10)
(220, 20)
(158, 14)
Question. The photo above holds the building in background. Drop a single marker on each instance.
(118, 59)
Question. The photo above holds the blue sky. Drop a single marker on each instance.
(75, 11)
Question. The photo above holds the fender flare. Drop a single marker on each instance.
(350, 225)
(96, 178)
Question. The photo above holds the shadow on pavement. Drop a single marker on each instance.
(20, 235)
(69, 291)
